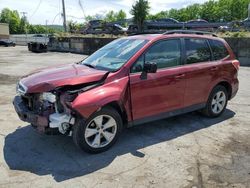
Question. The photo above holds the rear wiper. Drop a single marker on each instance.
(89, 65)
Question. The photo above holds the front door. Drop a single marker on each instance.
(162, 91)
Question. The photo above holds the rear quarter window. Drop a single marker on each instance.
(219, 50)
(197, 50)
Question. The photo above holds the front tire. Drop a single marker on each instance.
(217, 102)
(99, 132)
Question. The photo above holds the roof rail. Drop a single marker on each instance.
(189, 32)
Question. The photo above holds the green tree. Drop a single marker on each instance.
(23, 25)
(12, 18)
(209, 11)
(121, 15)
(112, 16)
(72, 26)
(159, 15)
(193, 12)
(140, 11)
(36, 29)
(174, 13)
(239, 9)
(224, 10)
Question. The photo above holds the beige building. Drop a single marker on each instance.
(4, 31)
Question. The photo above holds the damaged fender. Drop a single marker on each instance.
(89, 102)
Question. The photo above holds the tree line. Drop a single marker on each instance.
(212, 11)
(18, 25)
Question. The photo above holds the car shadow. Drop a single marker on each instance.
(27, 150)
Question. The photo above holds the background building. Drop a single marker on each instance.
(4, 31)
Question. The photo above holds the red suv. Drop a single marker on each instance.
(130, 81)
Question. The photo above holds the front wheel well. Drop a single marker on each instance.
(115, 105)
(228, 88)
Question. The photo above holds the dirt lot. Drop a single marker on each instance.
(184, 151)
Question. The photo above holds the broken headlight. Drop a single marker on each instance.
(47, 96)
(20, 88)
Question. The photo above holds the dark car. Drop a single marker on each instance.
(130, 81)
(198, 21)
(168, 20)
(246, 23)
(199, 24)
(7, 42)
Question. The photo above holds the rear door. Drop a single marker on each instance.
(201, 70)
(161, 91)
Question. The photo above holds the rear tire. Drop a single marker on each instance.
(99, 132)
(217, 102)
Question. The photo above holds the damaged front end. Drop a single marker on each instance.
(45, 112)
(50, 112)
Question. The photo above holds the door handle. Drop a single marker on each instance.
(180, 76)
(214, 68)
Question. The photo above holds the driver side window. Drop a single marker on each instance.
(165, 54)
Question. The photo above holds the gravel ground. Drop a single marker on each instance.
(185, 151)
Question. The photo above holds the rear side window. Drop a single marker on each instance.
(197, 51)
(219, 50)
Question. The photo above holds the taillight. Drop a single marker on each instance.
(236, 64)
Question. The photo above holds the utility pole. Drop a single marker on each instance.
(249, 11)
(25, 26)
(64, 16)
(46, 35)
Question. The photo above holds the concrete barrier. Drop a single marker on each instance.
(23, 39)
(240, 46)
(77, 44)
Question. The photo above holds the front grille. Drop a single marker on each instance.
(28, 101)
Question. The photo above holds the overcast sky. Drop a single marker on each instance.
(41, 10)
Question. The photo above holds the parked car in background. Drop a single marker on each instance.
(167, 20)
(199, 24)
(246, 24)
(130, 81)
(198, 21)
(115, 29)
(38, 35)
(7, 43)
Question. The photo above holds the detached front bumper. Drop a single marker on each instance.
(38, 121)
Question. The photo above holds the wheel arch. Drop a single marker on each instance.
(119, 108)
(224, 83)
(228, 87)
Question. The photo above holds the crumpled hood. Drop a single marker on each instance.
(48, 79)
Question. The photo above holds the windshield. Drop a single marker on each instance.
(115, 54)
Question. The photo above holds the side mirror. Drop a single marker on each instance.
(138, 68)
(150, 67)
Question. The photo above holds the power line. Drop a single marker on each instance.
(80, 4)
(79, 18)
(55, 17)
(59, 12)
(38, 6)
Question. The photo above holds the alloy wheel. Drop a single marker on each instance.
(218, 102)
(100, 131)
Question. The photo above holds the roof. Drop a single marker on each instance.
(154, 37)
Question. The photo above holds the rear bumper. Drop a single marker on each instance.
(38, 121)
(235, 88)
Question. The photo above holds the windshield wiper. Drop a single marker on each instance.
(89, 65)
